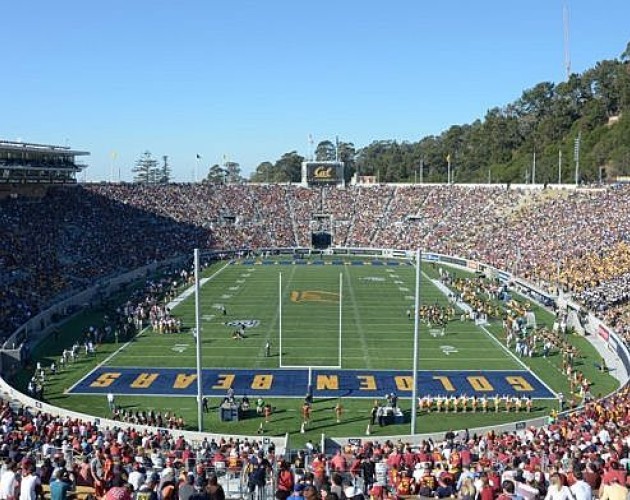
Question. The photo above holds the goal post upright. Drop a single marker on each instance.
(416, 327)
(280, 318)
(198, 342)
(340, 313)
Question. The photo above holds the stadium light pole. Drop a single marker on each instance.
(449, 179)
(576, 155)
(198, 344)
(416, 325)
(534, 168)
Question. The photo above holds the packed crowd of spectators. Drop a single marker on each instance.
(576, 458)
(69, 238)
(37, 450)
(72, 236)
(587, 452)
(576, 240)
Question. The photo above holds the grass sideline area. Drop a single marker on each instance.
(376, 334)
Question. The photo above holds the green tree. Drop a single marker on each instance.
(347, 155)
(216, 174)
(146, 170)
(325, 151)
(289, 167)
(264, 172)
(232, 172)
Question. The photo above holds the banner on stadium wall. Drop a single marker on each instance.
(603, 332)
(430, 257)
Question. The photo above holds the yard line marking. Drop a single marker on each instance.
(173, 304)
(357, 319)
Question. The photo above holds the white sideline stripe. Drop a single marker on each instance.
(444, 288)
(106, 360)
(191, 289)
(519, 361)
(174, 304)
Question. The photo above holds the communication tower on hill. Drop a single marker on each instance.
(567, 49)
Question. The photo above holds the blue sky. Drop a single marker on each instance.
(252, 79)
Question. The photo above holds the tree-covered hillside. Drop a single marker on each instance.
(546, 121)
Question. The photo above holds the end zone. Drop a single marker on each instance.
(326, 382)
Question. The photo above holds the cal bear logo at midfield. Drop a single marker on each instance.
(313, 296)
(245, 323)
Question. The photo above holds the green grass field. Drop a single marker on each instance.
(375, 334)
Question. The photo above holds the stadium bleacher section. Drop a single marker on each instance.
(73, 235)
(577, 240)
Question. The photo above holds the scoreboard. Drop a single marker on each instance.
(316, 173)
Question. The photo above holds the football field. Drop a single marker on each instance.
(369, 357)
(350, 321)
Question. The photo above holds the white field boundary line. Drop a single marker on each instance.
(444, 290)
(191, 289)
(168, 341)
(444, 359)
(507, 350)
(328, 367)
(243, 348)
(520, 362)
(552, 365)
(138, 394)
(188, 291)
(106, 360)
